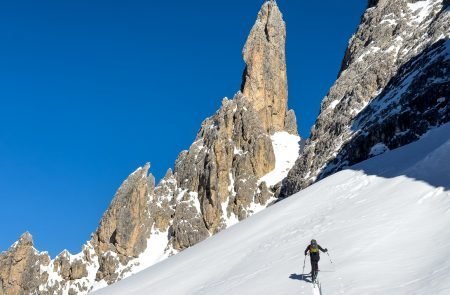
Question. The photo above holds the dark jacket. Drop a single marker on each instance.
(314, 253)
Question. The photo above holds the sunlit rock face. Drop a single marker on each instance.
(265, 79)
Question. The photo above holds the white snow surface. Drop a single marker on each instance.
(385, 222)
(155, 252)
(421, 8)
(334, 103)
(286, 148)
(378, 149)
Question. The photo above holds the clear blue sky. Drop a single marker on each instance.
(90, 90)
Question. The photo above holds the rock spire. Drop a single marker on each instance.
(265, 79)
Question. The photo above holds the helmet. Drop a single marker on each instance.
(313, 242)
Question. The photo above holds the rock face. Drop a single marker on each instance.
(392, 88)
(231, 148)
(20, 268)
(265, 78)
(125, 227)
(215, 184)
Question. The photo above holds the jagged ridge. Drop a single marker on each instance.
(216, 183)
(384, 97)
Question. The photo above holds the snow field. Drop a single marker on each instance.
(385, 222)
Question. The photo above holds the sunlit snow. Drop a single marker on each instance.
(384, 221)
(286, 148)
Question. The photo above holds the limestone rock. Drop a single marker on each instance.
(188, 225)
(162, 202)
(231, 148)
(246, 190)
(78, 270)
(290, 124)
(125, 226)
(20, 268)
(263, 195)
(108, 269)
(393, 87)
(69, 270)
(265, 78)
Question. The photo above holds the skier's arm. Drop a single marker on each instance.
(307, 249)
(323, 250)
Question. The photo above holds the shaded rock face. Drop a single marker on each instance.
(265, 78)
(393, 87)
(162, 202)
(69, 270)
(188, 223)
(125, 226)
(20, 268)
(215, 184)
(395, 118)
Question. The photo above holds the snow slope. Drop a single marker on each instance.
(385, 222)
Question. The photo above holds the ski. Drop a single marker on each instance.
(317, 286)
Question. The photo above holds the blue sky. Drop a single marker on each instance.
(90, 90)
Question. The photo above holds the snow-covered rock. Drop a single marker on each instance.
(393, 86)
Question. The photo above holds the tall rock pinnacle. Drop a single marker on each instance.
(265, 79)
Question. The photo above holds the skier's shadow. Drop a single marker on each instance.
(300, 277)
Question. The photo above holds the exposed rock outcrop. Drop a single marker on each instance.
(126, 224)
(231, 148)
(125, 227)
(393, 87)
(265, 78)
(20, 268)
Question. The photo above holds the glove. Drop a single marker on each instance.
(326, 250)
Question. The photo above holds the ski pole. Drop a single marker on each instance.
(304, 262)
(329, 257)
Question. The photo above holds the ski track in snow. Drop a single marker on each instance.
(386, 233)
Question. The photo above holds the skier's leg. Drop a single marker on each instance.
(314, 269)
(317, 268)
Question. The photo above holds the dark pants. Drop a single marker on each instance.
(314, 266)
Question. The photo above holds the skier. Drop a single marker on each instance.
(313, 249)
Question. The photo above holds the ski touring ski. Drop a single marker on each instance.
(317, 286)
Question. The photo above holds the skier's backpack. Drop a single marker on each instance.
(313, 248)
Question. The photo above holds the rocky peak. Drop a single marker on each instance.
(393, 87)
(20, 267)
(26, 239)
(265, 79)
(125, 225)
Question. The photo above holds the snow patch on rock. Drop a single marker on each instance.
(378, 149)
(286, 148)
